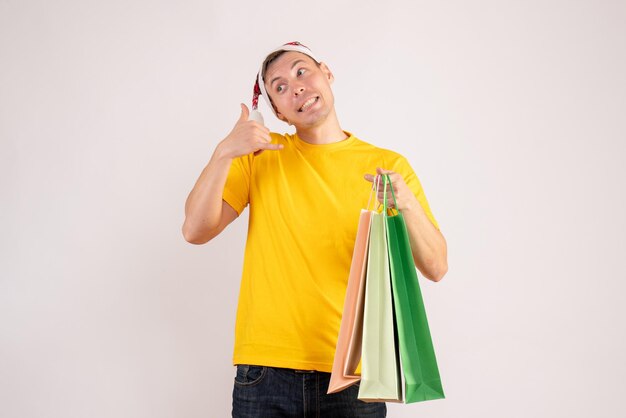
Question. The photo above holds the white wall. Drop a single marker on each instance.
(511, 112)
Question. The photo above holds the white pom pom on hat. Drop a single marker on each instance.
(259, 85)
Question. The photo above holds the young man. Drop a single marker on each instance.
(305, 192)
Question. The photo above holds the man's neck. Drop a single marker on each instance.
(325, 133)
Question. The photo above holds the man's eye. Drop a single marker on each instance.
(300, 71)
(279, 88)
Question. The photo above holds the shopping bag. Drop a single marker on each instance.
(348, 351)
(380, 370)
(417, 355)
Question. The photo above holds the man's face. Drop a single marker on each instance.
(299, 89)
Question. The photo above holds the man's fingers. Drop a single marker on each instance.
(381, 182)
(268, 146)
(244, 113)
(390, 196)
(265, 133)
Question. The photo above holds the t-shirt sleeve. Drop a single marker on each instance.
(403, 167)
(237, 188)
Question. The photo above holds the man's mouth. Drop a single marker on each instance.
(308, 103)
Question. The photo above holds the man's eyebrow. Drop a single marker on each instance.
(296, 62)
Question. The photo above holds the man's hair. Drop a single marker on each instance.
(274, 56)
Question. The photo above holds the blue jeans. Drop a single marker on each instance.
(271, 392)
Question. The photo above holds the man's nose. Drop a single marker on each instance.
(298, 90)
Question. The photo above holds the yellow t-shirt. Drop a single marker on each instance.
(305, 202)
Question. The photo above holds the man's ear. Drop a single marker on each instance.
(281, 117)
(327, 72)
(278, 114)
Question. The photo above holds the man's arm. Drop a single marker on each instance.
(429, 247)
(206, 214)
(430, 250)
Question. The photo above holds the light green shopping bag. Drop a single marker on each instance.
(380, 374)
(419, 365)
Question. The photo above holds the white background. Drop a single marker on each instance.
(512, 113)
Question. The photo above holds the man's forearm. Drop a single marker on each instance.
(203, 208)
(428, 245)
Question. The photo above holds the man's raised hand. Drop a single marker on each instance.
(247, 136)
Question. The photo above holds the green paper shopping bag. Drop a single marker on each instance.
(417, 355)
(380, 374)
